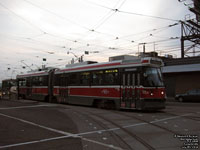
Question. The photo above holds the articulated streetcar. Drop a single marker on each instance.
(121, 84)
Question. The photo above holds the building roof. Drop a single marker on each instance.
(182, 61)
(181, 68)
(189, 64)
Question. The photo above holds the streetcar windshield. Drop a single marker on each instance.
(152, 77)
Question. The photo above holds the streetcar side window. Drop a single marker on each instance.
(35, 81)
(97, 78)
(22, 82)
(40, 80)
(74, 79)
(111, 77)
(45, 81)
(28, 81)
(85, 78)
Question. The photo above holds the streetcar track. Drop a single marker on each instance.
(106, 128)
(128, 132)
(153, 123)
(187, 117)
(144, 143)
(149, 123)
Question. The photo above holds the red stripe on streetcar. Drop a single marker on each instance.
(99, 92)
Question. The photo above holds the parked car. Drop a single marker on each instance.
(191, 95)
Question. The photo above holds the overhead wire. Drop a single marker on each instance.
(155, 31)
(51, 13)
(169, 50)
(104, 19)
(25, 20)
(133, 13)
(57, 15)
(30, 40)
(30, 23)
(144, 15)
(98, 25)
(66, 19)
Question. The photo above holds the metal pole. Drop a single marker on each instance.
(182, 41)
(144, 48)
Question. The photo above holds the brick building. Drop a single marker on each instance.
(181, 75)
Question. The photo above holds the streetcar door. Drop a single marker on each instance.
(128, 90)
(29, 87)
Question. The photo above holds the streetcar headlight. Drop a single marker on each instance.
(162, 93)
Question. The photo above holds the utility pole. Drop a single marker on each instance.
(143, 47)
(154, 46)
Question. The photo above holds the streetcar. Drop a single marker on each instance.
(8, 87)
(134, 83)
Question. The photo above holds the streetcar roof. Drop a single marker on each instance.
(109, 65)
(41, 73)
(146, 61)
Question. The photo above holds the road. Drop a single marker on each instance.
(36, 125)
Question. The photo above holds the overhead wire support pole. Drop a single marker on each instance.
(190, 31)
(182, 41)
(143, 47)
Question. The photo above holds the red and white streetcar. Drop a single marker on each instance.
(133, 83)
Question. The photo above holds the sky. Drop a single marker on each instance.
(60, 30)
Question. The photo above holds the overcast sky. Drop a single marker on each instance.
(60, 30)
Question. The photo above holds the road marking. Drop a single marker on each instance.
(99, 132)
(170, 118)
(78, 135)
(37, 125)
(33, 142)
(104, 138)
(134, 125)
(32, 106)
(67, 134)
(103, 144)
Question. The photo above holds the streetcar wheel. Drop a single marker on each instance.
(98, 103)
